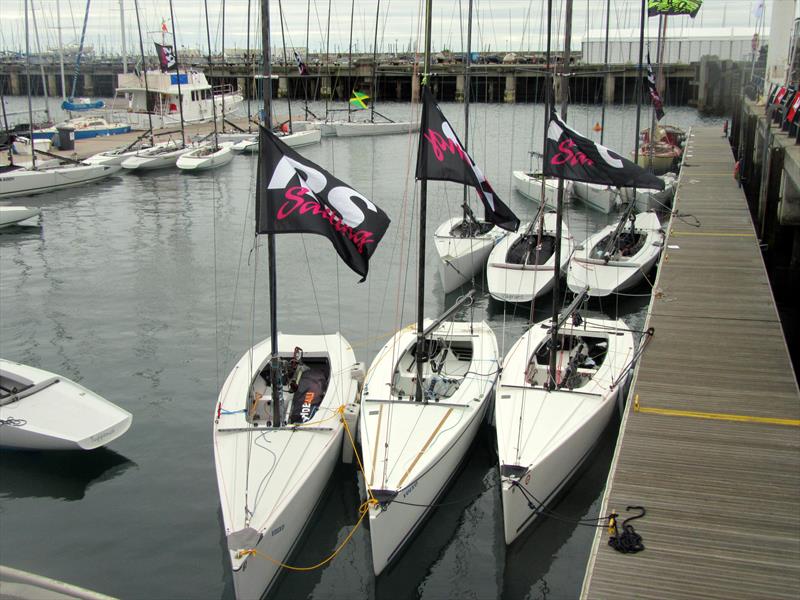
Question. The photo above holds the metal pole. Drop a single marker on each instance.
(305, 79)
(423, 202)
(552, 384)
(286, 65)
(177, 72)
(210, 76)
(328, 59)
(28, 77)
(375, 64)
(548, 90)
(350, 57)
(144, 68)
(223, 62)
(124, 43)
(249, 60)
(41, 65)
(467, 88)
(61, 52)
(80, 50)
(605, 70)
(273, 293)
(638, 90)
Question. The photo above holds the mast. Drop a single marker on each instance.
(653, 120)
(350, 56)
(223, 62)
(467, 88)
(41, 66)
(144, 68)
(605, 69)
(250, 62)
(178, 73)
(552, 383)
(423, 203)
(305, 80)
(375, 65)
(286, 65)
(28, 77)
(638, 90)
(328, 59)
(80, 49)
(124, 44)
(210, 76)
(61, 53)
(273, 294)
(548, 91)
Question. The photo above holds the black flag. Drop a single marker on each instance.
(297, 196)
(569, 155)
(166, 57)
(441, 157)
(301, 66)
(655, 98)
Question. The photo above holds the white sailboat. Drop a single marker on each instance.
(543, 434)
(556, 394)
(271, 476)
(206, 156)
(464, 243)
(297, 139)
(413, 446)
(426, 392)
(44, 411)
(11, 215)
(359, 128)
(604, 198)
(658, 200)
(618, 256)
(160, 156)
(522, 266)
(530, 186)
(25, 182)
(279, 421)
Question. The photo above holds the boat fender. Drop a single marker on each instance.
(357, 372)
(285, 128)
(627, 541)
(350, 416)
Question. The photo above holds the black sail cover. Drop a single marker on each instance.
(569, 155)
(297, 196)
(442, 157)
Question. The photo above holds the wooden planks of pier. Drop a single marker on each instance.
(713, 453)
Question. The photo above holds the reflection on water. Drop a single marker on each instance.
(61, 475)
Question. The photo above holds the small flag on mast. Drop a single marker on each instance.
(655, 97)
(358, 99)
(164, 26)
(301, 66)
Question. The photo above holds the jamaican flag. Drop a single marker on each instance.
(359, 99)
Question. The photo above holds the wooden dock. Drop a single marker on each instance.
(713, 452)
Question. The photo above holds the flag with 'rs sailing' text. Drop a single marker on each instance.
(301, 66)
(441, 157)
(569, 155)
(655, 97)
(166, 57)
(297, 196)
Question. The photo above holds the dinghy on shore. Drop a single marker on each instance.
(40, 410)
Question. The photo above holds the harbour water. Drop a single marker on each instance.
(147, 288)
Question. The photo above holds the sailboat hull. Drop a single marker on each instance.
(270, 479)
(153, 158)
(513, 282)
(620, 273)
(530, 186)
(28, 183)
(9, 215)
(363, 129)
(411, 450)
(462, 258)
(196, 160)
(600, 197)
(544, 436)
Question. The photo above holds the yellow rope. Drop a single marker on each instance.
(363, 510)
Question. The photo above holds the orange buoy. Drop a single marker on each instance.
(285, 128)
(597, 127)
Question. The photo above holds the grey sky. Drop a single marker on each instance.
(497, 25)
